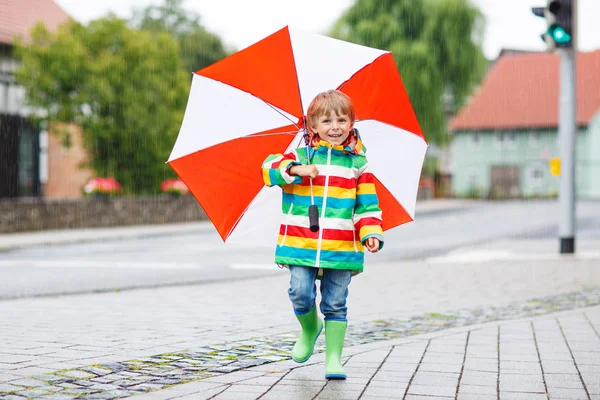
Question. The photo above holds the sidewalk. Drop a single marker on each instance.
(554, 357)
(55, 237)
(508, 328)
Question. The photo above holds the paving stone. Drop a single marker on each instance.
(520, 366)
(279, 394)
(145, 387)
(77, 374)
(479, 378)
(470, 396)
(33, 393)
(227, 395)
(109, 395)
(435, 379)
(97, 371)
(29, 383)
(7, 388)
(432, 390)
(558, 367)
(476, 389)
(556, 393)
(384, 392)
(521, 383)
(563, 381)
(339, 394)
(432, 367)
(522, 396)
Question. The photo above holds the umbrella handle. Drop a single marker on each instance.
(313, 218)
(313, 212)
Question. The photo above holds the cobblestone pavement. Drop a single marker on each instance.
(233, 338)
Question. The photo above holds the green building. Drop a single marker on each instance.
(504, 138)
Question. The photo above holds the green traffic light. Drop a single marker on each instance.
(559, 35)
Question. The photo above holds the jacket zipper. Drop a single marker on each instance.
(354, 236)
(323, 208)
(286, 225)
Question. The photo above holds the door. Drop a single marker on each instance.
(505, 182)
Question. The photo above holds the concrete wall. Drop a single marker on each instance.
(32, 214)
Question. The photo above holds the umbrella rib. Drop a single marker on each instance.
(282, 114)
(291, 133)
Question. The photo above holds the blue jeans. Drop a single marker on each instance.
(334, 291)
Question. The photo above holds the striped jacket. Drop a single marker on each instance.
(344, 193)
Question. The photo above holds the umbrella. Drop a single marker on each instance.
(253, 103)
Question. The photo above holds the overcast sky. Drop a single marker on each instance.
(510, 23)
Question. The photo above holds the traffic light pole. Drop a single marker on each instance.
(567, 131)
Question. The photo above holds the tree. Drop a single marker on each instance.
(125, 88)
(199, 48)
(436, 45)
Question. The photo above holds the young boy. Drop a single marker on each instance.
(349, 220)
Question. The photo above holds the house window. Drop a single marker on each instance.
(475, 140)
(537, 174)
(498, 140)
(510, 138)
(534, 138)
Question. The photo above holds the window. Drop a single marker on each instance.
(475, 140)
(511, 139)
(534, 138)
(498, 140)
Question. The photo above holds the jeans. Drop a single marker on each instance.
(334, 291)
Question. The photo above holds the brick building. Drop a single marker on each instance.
(33, 161)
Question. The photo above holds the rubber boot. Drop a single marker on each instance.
(335, 331)
(311, 329)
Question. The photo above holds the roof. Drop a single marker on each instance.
(521, 91)
(17, 17)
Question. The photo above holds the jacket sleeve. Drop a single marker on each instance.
(275, 169)
(367, 214)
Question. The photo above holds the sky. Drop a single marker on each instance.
(239, 23)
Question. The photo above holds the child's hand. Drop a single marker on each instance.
(372, 244)
(304, 170)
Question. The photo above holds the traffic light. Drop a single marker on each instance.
(559, 19)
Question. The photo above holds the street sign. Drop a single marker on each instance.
(555, 166)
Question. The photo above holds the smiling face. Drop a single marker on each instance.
(331, 116)
(333, 127)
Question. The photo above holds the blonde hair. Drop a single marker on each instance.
(326, 102)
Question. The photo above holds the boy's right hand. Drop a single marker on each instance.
(304, 170)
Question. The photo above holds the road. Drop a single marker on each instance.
(202, 258)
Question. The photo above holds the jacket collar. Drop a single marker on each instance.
(352, 145)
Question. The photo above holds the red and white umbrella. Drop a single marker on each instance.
(253, 103)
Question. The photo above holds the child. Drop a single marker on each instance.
(349, 218)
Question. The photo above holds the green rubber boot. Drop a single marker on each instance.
(335, 331)
(311, 329)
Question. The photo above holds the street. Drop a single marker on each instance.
(201, 257)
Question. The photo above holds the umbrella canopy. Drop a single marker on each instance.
(253, 103)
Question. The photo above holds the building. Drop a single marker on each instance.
(32, 162)
(505, 136)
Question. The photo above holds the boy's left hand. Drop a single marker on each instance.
(372, 244)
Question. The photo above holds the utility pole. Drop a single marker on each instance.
(567, 130)
(561, 17)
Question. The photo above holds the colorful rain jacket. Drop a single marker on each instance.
(344, 193)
